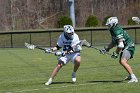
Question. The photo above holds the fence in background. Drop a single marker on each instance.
(48, 38)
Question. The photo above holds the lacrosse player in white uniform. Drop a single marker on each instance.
(68, 40)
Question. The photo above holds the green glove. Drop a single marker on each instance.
(114, 55)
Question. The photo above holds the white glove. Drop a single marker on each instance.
(77, 48)
(58, 53)
(48, 51)
(53, 49)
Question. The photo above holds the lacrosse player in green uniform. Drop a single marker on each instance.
(125, 47)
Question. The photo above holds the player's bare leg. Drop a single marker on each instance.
(54, 73)
(128, 68)
(76, 66)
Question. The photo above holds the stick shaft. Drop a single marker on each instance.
(40, 48)
(44, 49)
(99, 49)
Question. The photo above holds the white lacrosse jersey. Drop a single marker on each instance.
(67, 44)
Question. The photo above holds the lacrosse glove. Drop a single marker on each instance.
(48, 51)
(114, 55)
(59, 54)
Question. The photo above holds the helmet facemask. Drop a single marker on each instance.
(68, 32)
(69, 35)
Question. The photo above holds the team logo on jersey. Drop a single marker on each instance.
(67, 42)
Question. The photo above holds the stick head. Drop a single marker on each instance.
(85, 43)
(136, 19)
(29, 46)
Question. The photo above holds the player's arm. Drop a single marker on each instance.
(110, 46)
(119, 48)
(59, 44)
(76, 47)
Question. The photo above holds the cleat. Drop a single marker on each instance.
(49, 82)
(73, 80)
(73, 77)
(133, 80)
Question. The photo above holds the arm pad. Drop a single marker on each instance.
(121, 45)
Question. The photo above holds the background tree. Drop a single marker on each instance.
(35, 14)
(64, 20)
(91, 21)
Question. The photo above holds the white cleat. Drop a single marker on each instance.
(73, 80)
(73, 77)
(133, 80)
(49, 82)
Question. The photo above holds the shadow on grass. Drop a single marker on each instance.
(106, 81)
(62, 83)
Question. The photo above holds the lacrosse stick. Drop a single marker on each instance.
(87, 44)
(32, 47)
(48, 50)
(136, 19)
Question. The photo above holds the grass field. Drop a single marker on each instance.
(26, 71)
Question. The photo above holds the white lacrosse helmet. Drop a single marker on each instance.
(68, 31)
(111, 22)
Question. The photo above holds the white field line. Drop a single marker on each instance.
(48, 88)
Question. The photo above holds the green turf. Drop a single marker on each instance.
(26, 71)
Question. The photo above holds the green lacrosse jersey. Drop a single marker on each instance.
(118, 33)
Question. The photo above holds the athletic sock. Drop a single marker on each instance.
(50, 79)
(73, 72)
(133, 76)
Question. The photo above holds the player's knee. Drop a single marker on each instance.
(78, 60)
(62, 61)
(60, 64)
(123, 61)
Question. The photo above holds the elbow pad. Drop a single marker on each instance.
(77, 48)
(121, 45)
(58, 47)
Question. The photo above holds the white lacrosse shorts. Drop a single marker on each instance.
(69, 57)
